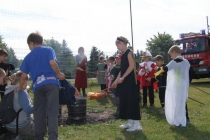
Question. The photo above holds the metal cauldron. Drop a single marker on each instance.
(77, 112)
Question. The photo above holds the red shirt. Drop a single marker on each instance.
(150, 70)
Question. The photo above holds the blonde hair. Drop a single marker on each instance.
(101, 57)
(16, 77)
(124, 40)
(176, 49)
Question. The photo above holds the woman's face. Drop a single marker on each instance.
(81, 50)
(120, 45)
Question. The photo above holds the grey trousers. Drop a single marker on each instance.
(46, 105)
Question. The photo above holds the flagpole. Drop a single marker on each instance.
(131, 25)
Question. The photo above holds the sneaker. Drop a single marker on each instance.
(180, 126)
(134, 128)
(125, 126)
(112, 95)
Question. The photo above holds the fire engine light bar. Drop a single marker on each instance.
(202, 32)
(181, 35)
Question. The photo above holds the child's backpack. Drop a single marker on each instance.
(7, 112)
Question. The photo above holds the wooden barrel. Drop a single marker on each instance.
(77, 112)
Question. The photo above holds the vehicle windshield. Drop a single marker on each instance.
(194, 45)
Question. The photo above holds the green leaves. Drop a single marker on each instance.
(160, 44)
(11, 58)
(65, 58)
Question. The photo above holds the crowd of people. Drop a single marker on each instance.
(128, 77)
(120, 75)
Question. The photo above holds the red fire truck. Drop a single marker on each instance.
(196, 49)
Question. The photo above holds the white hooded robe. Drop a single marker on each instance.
(177, 91)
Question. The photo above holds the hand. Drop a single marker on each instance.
(147, 71)
(7, 81)
(114, 85)
(156, 68)
(80, 69)
(148, 79)
(120, 80)
(61, 76)
(143, 70)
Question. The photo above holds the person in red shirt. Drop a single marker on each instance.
(147, 69)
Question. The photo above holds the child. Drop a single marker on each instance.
(129, 98)
(6, 67)
(113, 74)
(21, 100)
(161, 81)
(177, 87)
(42, 65)
(101, 72)
(147, 71)
(110, 66)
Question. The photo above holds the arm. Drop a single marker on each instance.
(23, 79)
(25, 102)
(112, 73)
(114, 85)
(105, 72)
(130, 67)
(55, 68)
(52, 61)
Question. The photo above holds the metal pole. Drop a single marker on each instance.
(207, 25)
(131, 25)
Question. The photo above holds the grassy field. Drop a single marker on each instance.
(154, 124)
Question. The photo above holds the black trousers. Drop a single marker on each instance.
(162, 96)
(83, 90)
(103, 86)
(151, 94)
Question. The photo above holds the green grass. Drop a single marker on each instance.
(155, 126)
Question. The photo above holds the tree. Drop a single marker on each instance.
(65, 58)
(92, 63)
(160, 44)
(11, 58)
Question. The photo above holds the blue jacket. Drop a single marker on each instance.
(67, 92)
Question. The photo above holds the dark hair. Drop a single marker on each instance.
(123, 39)
(111, 58)
(159, 57)
(36, 38)
(3, 52)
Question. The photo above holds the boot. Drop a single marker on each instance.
(84, 95)
(83, 92)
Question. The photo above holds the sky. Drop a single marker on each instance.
(98, 23)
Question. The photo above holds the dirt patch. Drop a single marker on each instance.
(91, 117)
